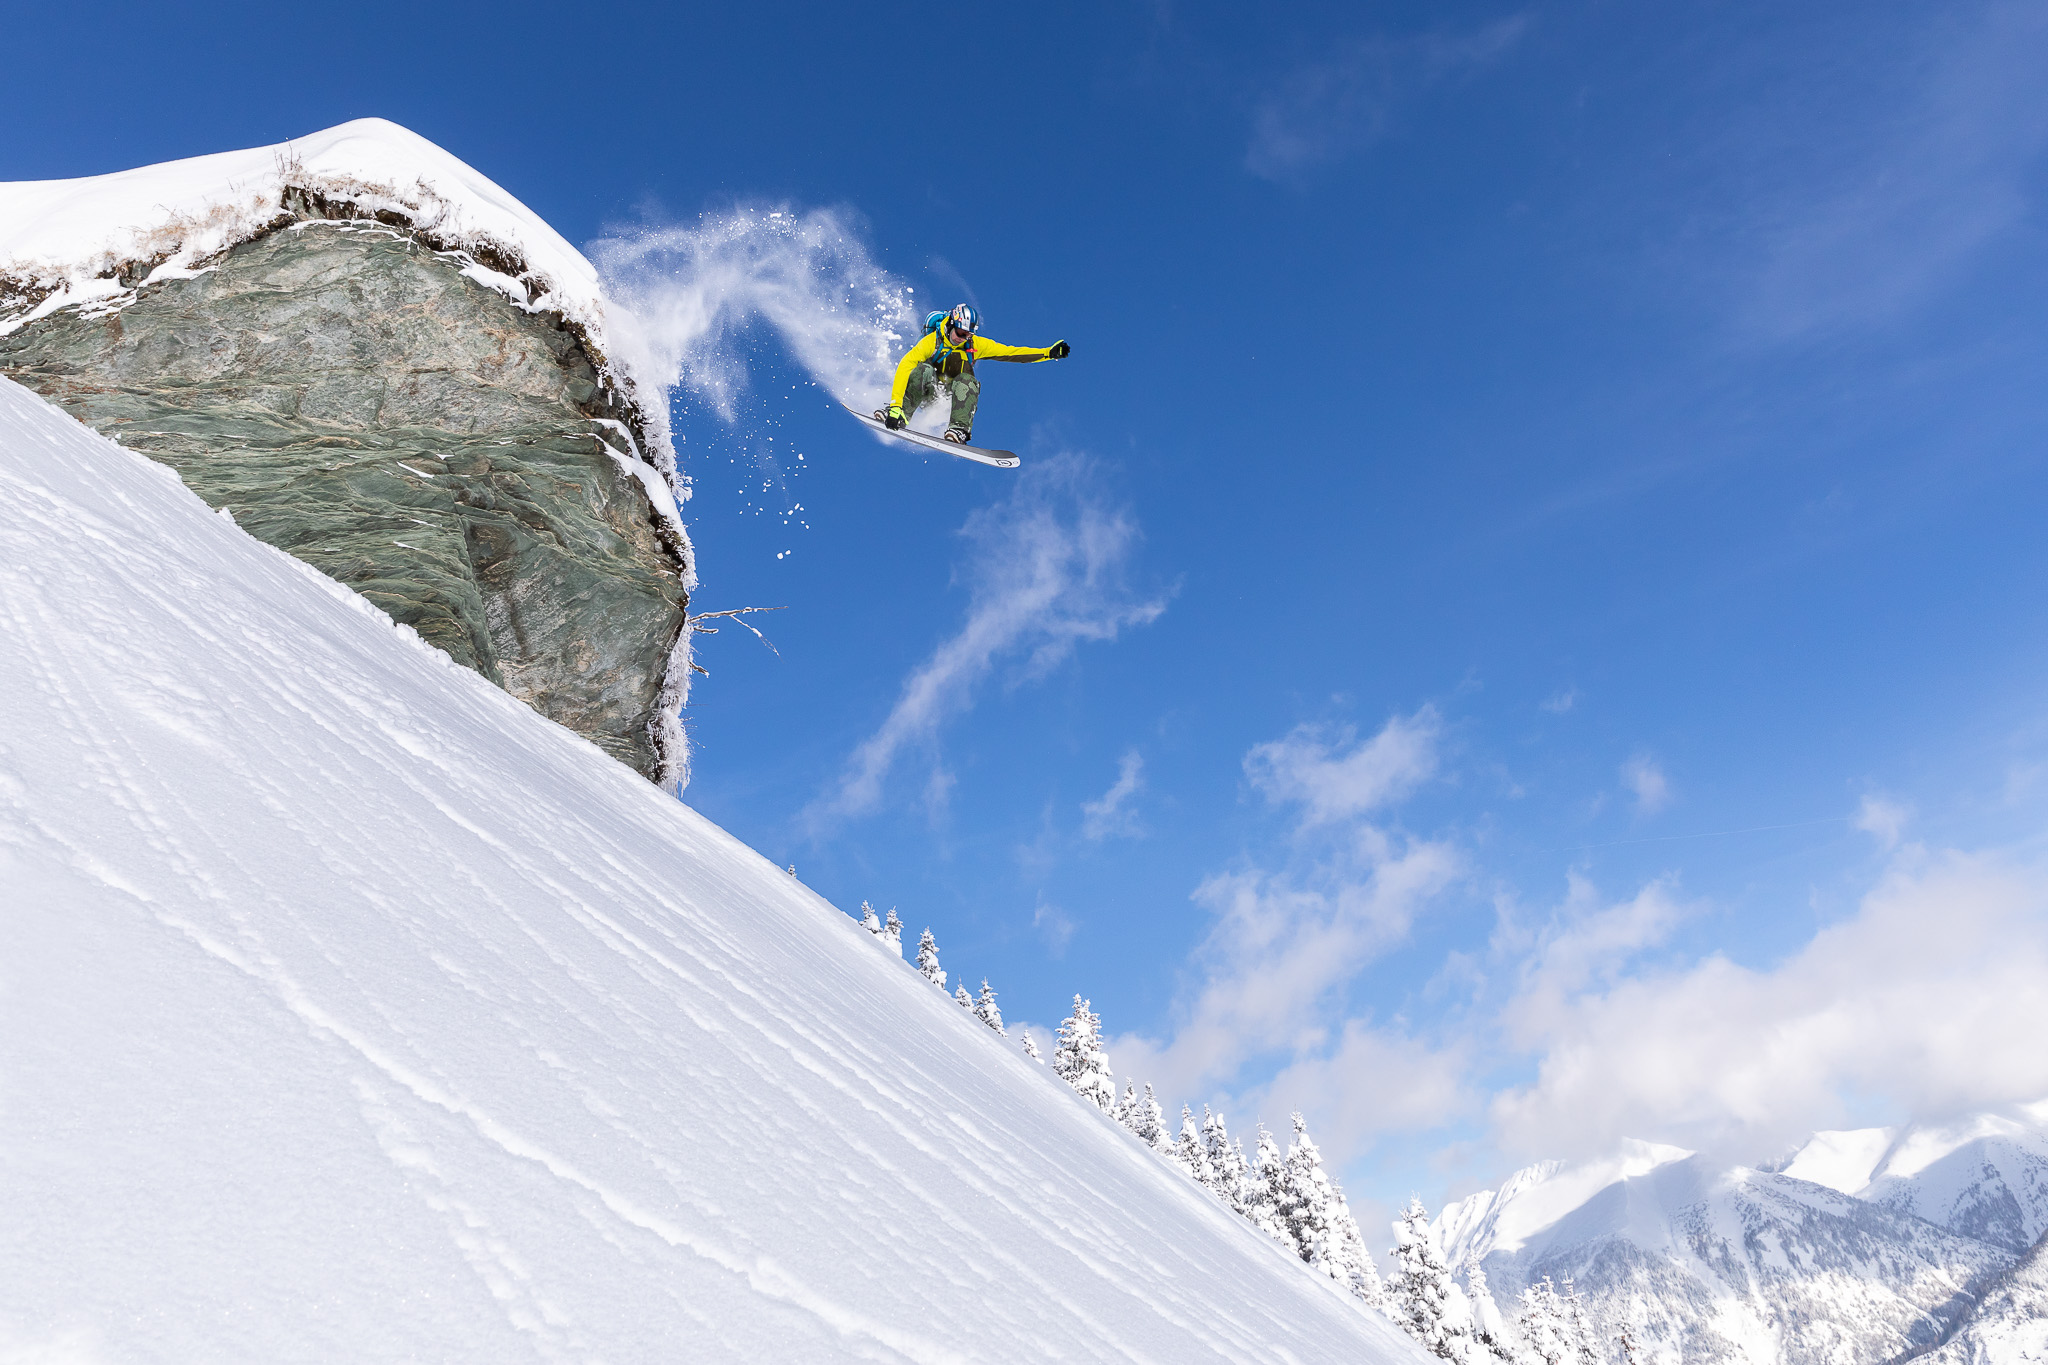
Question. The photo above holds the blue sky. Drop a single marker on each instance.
(1523, 619)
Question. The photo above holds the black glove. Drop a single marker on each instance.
(894, 419)
(1060, 350)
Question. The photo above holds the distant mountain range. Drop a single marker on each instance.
(1862, 1247)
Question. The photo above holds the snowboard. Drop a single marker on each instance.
(1001, 459)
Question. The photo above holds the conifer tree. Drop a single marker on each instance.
(1631, 1353)
(928, 960)
(1079, 1059)
(1421, 1297)
(1262, 1190)
(1360, 1275)
(1585, 1351)
(965, 1001)
(1148, 1121)
(868, 920)
(1031, 1050)
(892, 932)
(1488, 1326)
(1125, 1110)
(1302, 1197)
(1543, 1325)
(1226, 1161)
(985, 1009)
(1191, 1152)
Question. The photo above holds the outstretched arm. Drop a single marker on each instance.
(912, 358)
(984, 349)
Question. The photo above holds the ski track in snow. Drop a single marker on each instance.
(357, 1012)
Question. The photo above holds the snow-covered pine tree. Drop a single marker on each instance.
(1260, 1196)
(1361, 1276)
(1421, 1298)
(1302, 1198)
(1543, 1324)
(1226, 1161)
(1125, 1110)
(1488, 1326)
(928, 960)
(1631, 1353)
(985, 1008)
(868, 920)
(1191, 1153)
(1031, 1050)
(1079, 1059)
(963, 999)
(1585, 1346)
(1148, 1121)
(892, 932)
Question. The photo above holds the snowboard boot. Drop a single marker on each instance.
(958, 435)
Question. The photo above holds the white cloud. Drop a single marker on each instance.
(1646, 782)
(1283, 943)
(1560, 702)
(1585, 944)
(1107, 814)
(1326, 109)
(1334, 784)
(1883, 818)
(1928, 998)
(1047, 572)
(1370, 1081)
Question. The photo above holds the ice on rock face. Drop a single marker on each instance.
(355, 1012)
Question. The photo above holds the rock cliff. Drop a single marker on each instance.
(344, 385)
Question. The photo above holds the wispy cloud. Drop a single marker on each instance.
(1930, 162)
(1054, 925)
(1048, 570)
(1558, 703)
(1645, 781)
(1110, 814)
(1883, 818)
(1327, 109)
(1336, 777)
(1283, 942)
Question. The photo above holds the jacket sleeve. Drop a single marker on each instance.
(984, 349)
(912, 358)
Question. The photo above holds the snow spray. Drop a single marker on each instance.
(693, 293)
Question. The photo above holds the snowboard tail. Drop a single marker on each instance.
(1001, 459)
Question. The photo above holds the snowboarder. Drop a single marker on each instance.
(942, 361)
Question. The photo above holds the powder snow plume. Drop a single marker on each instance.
(695, 291)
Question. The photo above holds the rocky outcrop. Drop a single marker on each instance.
(348, 394)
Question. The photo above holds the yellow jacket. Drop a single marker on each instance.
(977, 348)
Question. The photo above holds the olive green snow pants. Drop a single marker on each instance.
(926, 385)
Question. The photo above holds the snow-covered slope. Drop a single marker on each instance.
(355, 1012)
(2010, 1326)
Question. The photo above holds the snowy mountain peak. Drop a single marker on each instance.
(1984, 1177)
(1535, 1198)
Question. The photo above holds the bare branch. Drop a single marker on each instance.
(734, 614)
